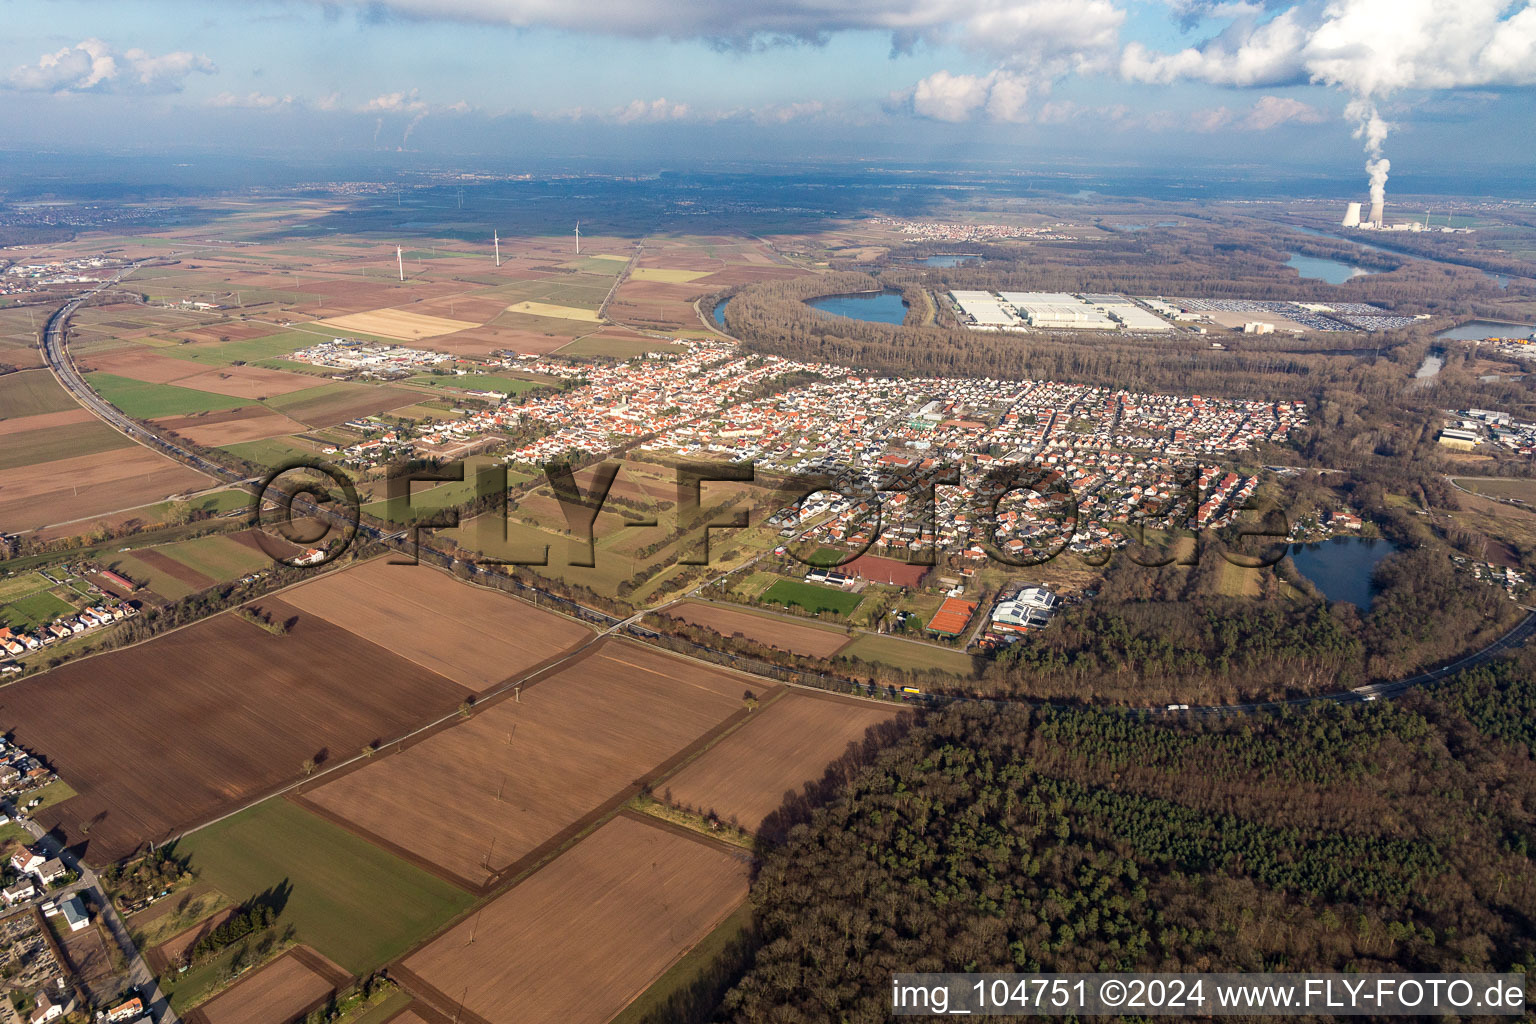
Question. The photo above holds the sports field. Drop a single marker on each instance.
(813, 597)
(585, 935)
(746, 776)
(166, 734)
(479, 797)
(353, 902)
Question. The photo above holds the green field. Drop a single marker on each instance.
(271, 452)
(478, 382)
(33, 447)
(812, 597)
(222, 353)
(34, 610)
(352, 901)
(904, 654)
(53, 793)
(146, 401)
(13, 587)
(218, 557)
(31, 393)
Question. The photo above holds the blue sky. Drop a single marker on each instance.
(1110, 80)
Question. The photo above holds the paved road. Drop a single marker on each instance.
(139, 974)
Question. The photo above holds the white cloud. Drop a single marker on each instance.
(1274, 111)
(650, 111)
(94, 66)
(250, 101)
(1369, 48)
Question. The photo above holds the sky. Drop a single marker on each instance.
(1325, 84)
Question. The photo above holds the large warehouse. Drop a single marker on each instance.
(984, 310)
(1058, 310)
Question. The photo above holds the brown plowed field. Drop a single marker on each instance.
(143, 364)
(167, 734)
(89, 485)
(252, 424)
(577, 941)
(474, 636)
(483, 340)
(44, 421)
(746, 776)
(282, 991)
(247, 381)
(486, 796)
(329, 410)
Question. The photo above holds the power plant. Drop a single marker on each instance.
(1352, 216)
(1377, 205)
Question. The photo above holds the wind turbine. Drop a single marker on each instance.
(400, 258)
(578, 238)
(496, 237)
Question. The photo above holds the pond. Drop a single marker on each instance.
(1341, 568)
(1319, 268)
(1477, 330)
(883, 307)
(719, 314)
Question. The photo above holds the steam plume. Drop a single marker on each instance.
(1372, 131)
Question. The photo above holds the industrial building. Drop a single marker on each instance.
(1030, 608)
(1048, 310)
(984, 310)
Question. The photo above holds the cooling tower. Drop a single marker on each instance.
(1376, 212)
(1352, 216)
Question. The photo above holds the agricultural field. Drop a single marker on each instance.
(145, 400)
(163, 735)
(353, 902)
(769, 630)
(85, 486)
(474, 636)
(1518, 490)
(49, 444)
(782, 748)
(285, 989)
(183, 567)
(397, 323)
(482, 797)
(32, 393)
(910, 655)
(812, 597)
(551, 311)
(611, 346)
(585, 935)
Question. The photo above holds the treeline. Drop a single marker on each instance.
(1386, 837)
(245, 921)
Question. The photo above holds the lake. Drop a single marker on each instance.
(719, 314)
(1318, 268)
(884, 307)
(1477, 330)
(1341, 568)
(950, 259)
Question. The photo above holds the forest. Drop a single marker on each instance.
(1370, 837)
